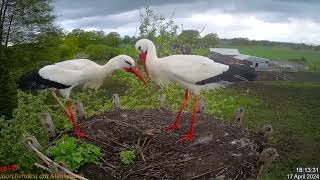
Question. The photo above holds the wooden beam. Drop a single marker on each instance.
(47, 124)
(238, 116)
(116, 101)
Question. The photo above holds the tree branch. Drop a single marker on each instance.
(8, 30)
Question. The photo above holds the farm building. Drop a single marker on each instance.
(290, 66)
(224, 51)
(233, 56)
(225, 59)
(258, 63)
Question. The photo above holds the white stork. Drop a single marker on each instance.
(194, 73)
(66, 75)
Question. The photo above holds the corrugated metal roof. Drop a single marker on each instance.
(252, 58)
(242, 57)
(258, 59)
(225, 51)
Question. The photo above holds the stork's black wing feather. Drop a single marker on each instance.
(33, 81)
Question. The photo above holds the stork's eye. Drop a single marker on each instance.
(139, 48)
(127, 62)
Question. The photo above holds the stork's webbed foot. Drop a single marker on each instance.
(172, 127)
(80, 134)
(187, 137)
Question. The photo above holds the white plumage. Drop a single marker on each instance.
(194, 73)
(83, 72)
(185, 70)
(66, 75)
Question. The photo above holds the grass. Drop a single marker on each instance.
(283, 53)
(293, 110)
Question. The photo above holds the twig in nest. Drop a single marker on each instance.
(42, 167)
(107, 163)
(238, 173)
(87, 123)
(124, 124)
(108, 172)
(170, 163)
(122, 145)
(206, 173)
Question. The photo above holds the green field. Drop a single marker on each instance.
(275, 53)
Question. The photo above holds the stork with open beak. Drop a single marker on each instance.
(192, 72)
(66, 75)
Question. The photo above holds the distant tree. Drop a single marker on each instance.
(189, 37)
(23, 21)
(7, 90)
(127, 40)
(101, 52)
(113, 39)
(210, 40)
(86, 38)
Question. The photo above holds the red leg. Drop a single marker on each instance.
(73, 120)
(175, 124)
(188, 137)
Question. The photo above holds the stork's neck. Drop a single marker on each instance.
(152, 52)
(109, 67)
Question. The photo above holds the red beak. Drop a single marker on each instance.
(143, 57)
(135, 71)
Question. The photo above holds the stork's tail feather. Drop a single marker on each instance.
(31, 81)
(239, 72)
(235, 73)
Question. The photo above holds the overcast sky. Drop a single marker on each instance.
(277, 20)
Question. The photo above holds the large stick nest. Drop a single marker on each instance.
(218, 149)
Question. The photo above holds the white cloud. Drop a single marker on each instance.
(228, 20)
(250, 26)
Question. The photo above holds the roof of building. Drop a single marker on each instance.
(225, 51)
(242, 56)
(252, 58)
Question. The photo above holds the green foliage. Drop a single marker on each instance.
(73, 152)
(128, 40)
(200, 51)
(7, 89)
(101, 52)
(209, 40)
(25, 121)
(127, 157)
(189, 37)
(85, 38)
(113, 39)
(158, 29)
(24, 21)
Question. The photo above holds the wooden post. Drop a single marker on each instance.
(201, 105)
(238, 116)
(53, 168)
(116, 101)
(266, 157)
(162, 99)
(34, 147)
(80, 110)
(221, 177)
(47, 124)
(35, 143)
(266, 131)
